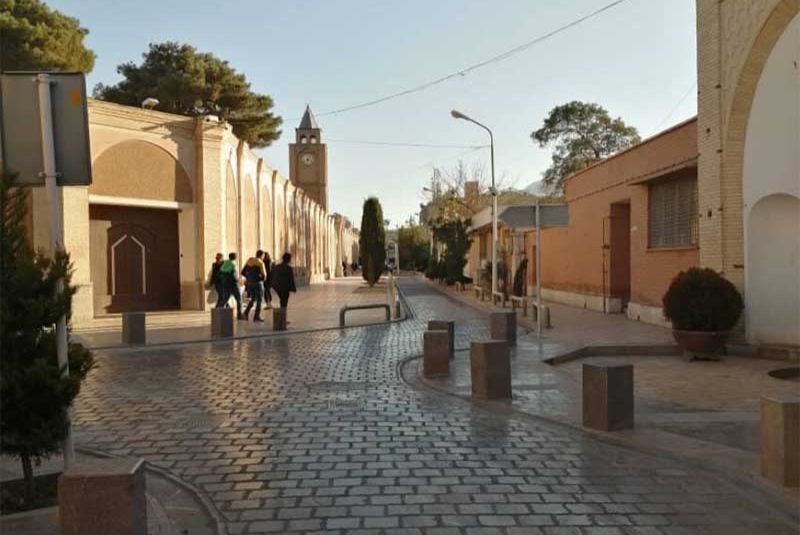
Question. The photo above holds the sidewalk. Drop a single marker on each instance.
(313, 307)
(172, 507)
(704, 411)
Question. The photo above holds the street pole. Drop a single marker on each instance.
(56, 231)
(538, 272)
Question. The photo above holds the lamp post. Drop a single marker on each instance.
(493, 190)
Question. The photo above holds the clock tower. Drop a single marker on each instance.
(308, 160)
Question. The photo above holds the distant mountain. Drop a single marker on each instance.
(536, 188)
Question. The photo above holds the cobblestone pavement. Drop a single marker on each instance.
(317, 433)
(312, 307)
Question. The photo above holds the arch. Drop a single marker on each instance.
(312, 139)
(231, 210)
(140, 170)
(303, 139)
(772, 289)
(266, 219)
(280, 223)
(250, 219)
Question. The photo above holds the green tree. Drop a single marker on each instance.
(372, 241)
(453, 234)
(34, 394)
(189, 82)
(34, 37)
(414, 244)
(580, 134)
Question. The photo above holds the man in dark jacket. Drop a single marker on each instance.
(230, 284)
(254, 275)
(268, 280)
(283, 279)
(215, 280)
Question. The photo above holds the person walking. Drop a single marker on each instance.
(215, 280)
(230, 282)
(254, 275)
(268, 280)
(283, 280)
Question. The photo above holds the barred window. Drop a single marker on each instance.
(672, 216)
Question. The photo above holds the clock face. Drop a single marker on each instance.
(307, 159)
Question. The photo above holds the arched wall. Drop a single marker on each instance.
(771, 188)
(231, 211)
(250, 219)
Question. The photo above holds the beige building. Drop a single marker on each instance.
(749, 157)
(169, 192)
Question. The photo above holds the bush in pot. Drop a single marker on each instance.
(703, 307)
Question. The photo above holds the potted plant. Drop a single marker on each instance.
(703, 307)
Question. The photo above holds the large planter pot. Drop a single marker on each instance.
(701, 345)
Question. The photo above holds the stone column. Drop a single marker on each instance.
(503, 326)
(490, 368)
(450, 327)
(780, 439)
(436, 356)
(608, 396)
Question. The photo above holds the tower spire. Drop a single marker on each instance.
(308, 122)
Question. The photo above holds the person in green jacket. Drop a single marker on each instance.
(230, 282)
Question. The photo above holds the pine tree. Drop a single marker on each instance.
(34, 394)
(372, 241)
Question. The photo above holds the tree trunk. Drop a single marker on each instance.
(27, 472)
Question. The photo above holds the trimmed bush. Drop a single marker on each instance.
(702, 300)
(372, 241)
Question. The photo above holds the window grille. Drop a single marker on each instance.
(672, 216)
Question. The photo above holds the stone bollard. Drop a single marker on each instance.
(450, 327)
(103, 497)
(133, 328)
(221, 322)
(608, 396)
(780, 439)
(490, 368)
(278, 319)
(503, 326)
(436, 355)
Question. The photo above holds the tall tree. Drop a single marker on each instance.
(580, 134)
(34, 37)
(372, 241)
(189, 82)
(414, 245)
(34, 394)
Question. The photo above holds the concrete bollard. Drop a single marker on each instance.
(450, 327)
(503, 326)
(133, 328)
(436, 355)
(780, 439)
(608, 396)
(490, 368)
(103, 497)
(278, 319)
(221, 322)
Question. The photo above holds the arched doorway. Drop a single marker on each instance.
(138, 196)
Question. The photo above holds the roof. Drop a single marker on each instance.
(308, 122)
(523, 217)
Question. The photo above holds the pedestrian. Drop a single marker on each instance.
(283, 279)
(230, 282)
(215, 280)
(344, 268)
(268, 281)
(254, 275)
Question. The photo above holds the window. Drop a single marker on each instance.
(672, 215)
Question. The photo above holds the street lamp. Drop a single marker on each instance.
(493, 190)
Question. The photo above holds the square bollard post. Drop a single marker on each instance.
(503, 326)
(221, 322)
(103, 497)
(780, 439)
(436, 353)
(278, 319)
(608, 396)
(450, 327)
(490, 369)
(133, 328)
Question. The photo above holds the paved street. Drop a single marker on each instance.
(318, 433)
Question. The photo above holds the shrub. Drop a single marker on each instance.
(519, 278)
(702, 300)
(372, 241)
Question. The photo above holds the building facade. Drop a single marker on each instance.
(169, 192)
(749, 157)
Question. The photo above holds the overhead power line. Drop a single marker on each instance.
(401, 144)
(463, 72)
(689, 91)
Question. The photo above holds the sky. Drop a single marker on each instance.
(638, 60)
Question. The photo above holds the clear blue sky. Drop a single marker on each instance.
(637, 60)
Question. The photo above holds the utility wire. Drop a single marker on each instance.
(658, 127)
(400, 144)
(463, 72)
